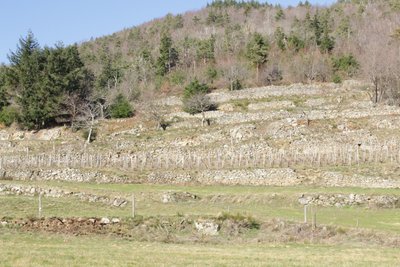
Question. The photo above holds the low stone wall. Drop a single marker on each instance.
(335, 179)
(245, 176)
(271, 177)
(28, 190)
(71, 175)
(342, 200)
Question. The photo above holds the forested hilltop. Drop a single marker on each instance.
(228, 44)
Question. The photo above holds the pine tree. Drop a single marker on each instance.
(206, 50)
(42, 78)
(315, 25)
(257, 51)
(109, 77)
(168, 56)
(280, 38)
(27, 76)
(3, 89)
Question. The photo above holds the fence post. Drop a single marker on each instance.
(314, 221)
(40, 205)
(305, 213)
(133, 206)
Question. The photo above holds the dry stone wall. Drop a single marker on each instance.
(342, 200)
(70, 175)
(30, 190)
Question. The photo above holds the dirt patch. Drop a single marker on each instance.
(74, 226)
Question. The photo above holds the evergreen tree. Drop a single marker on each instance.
(121, 108)
(42, 77)
(109, 77)
(279, 15)
(27, 76)
(168, 56)
(257, 51)
(315, 25)
(280, 38)
(206, 50)
(295, 43)
(327, 43)
(3, 89)
(195, 87)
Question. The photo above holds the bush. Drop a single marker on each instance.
(177, 78)
(273, 76)
(198, 103)
(195, 88)
(121, 108)
(9, 115)
(93, 136)
(337, 79)
(347, 65)
(236, 85)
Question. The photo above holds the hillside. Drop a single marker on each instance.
(242, 134)
(226, 45)
(326, 135)
(345, 40)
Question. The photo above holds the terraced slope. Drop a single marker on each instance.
(327, 134)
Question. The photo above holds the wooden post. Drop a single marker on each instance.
(305, 213)
(40, 205)
(314, 222)
(133, 206)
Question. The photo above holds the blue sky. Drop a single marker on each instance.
(71, 21)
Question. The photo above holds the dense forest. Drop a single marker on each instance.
(228, 44)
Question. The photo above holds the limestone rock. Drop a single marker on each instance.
(4, 136)
(207, 227)
(115, 220)
(105, 221)
(242, 132)
(177, 197)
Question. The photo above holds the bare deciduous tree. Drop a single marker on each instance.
(199, 103)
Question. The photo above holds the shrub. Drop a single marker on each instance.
(177, 78)
(198, 103)
(9, 115)
(195, 88)
(236, 85)
(273, 76)
(337, 79)
(121, 108)
(347, 65)
(247, 221)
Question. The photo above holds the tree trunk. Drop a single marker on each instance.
(101, 111)
(203, 119)
(257, 72)
(89, 135)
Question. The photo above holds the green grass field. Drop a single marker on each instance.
(254, 201)
(44, 249)
(33, 249)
